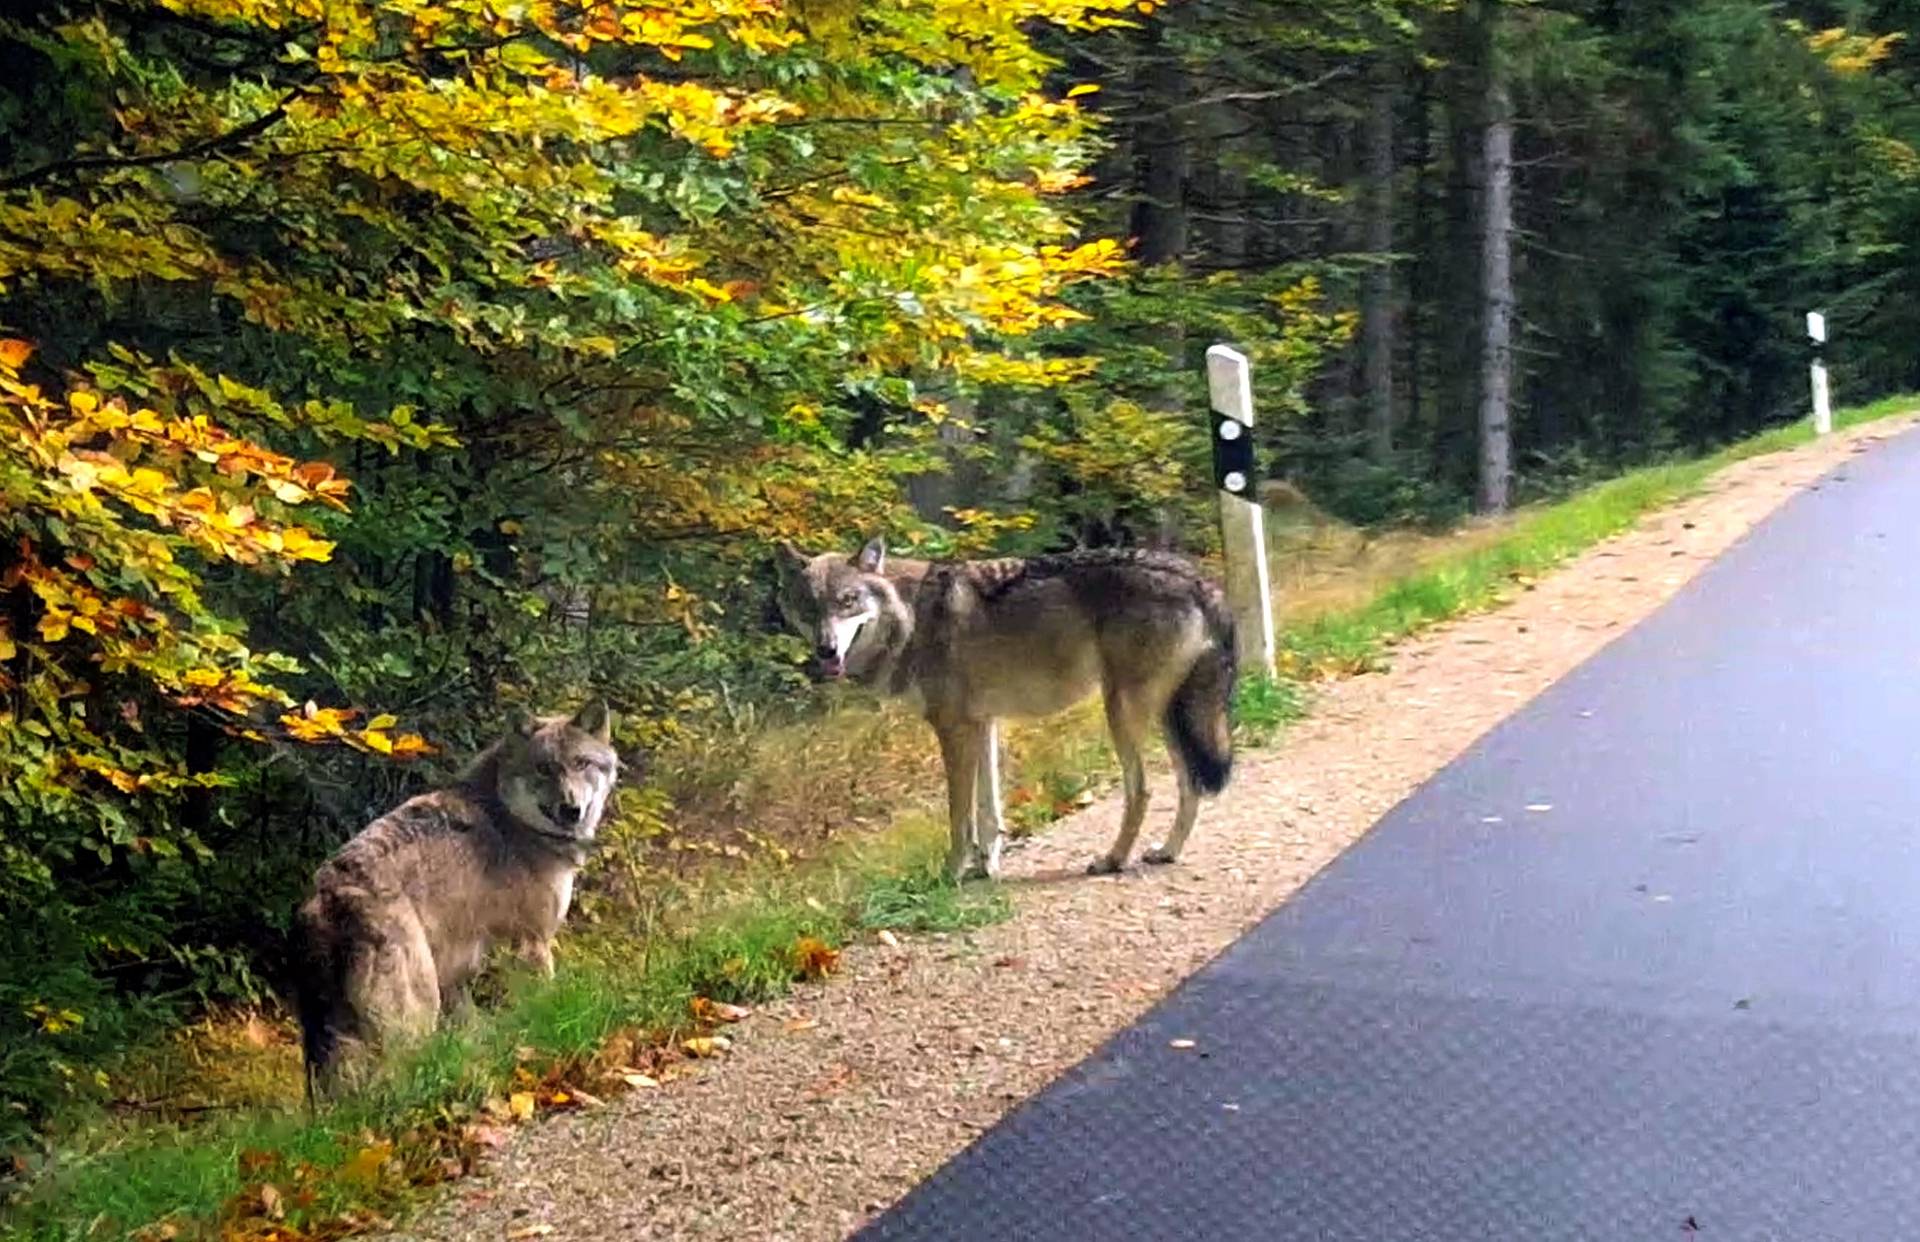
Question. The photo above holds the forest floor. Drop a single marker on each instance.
(839, 1098)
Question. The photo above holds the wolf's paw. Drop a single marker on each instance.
(1159, 856)
(1106, 864)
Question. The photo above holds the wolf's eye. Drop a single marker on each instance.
(548, 768)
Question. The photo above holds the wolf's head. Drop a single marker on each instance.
(845, 607)
(557, 773)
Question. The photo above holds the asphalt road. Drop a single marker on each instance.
(1643, 964)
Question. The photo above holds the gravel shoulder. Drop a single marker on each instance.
(839, 1099)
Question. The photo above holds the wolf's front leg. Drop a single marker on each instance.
(990, 830)
(537, 952)
(960, 746)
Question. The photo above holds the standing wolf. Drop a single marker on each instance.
(403, 916)
(973, 641)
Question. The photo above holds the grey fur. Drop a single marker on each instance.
(974, 641)
(404, 914)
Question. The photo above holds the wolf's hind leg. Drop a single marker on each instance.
(1127, 722)
(1169, 850)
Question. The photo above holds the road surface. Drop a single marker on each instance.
(1643, 964)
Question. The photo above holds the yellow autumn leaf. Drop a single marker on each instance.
(366, 1164)
(520, 1104)
(411, 745)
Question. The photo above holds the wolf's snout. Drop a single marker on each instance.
(569, 814)
(827, 657)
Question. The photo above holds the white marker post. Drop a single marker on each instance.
(1817, 337)
(1242, 522)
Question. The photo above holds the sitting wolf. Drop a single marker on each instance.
(972, 641)
(403, 916)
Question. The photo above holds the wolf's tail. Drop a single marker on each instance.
(319, 981)
(1200, 715)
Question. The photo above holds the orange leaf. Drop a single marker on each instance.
(814, 959)
(14, 353)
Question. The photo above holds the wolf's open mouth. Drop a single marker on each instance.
(831, 667)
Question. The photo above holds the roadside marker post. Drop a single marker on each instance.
(1817, 339)
(1242, 521)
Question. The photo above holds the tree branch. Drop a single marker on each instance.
(1295, 88)
(237, 136)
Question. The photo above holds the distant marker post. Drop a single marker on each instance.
(1817, 340)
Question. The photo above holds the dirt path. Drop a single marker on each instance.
(839, 1099)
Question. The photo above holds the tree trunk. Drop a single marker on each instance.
(1377, 303)
(1160, 207)
(1496, 275)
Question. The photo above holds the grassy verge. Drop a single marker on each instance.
(636, 997)
(624, 1011)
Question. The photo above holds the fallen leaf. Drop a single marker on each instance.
(587, 1100)
(521, 1105)
(637, 1079)
(888, 938)
(270, 1202)
(706, 1045)
(813, 958)
(1539, 807)
(705, 1010)
(367, 1163)
(837, 1077)
(795, 1025)
(253, 1161)
(481, 1134)
(1182, 1044)
(539, 1229)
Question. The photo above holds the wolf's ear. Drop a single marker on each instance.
(520, 722)
(790, 559)
(872, 558)
(594, 718)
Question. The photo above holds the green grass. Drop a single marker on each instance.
(922, 900)
(738, 945)
(1355, 640)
